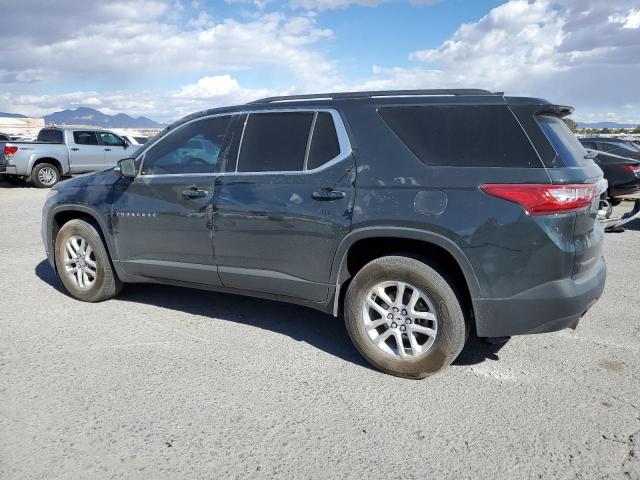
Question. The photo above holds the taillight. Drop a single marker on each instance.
(635, 169)
(9, 150)
(538, 199)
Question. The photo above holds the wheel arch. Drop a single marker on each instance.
(46, 159)
(63, 213)
(363, 245)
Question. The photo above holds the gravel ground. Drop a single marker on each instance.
(165, 382)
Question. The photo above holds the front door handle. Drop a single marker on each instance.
(194, 192)
(107, 149)
(328, 194)
(75, 149)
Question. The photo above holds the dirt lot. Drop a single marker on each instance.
(172, 383)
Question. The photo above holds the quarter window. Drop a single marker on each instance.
(193, 148)
(324, 141)
(275, 142)
(462, 136)
(85, 138)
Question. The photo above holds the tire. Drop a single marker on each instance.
(45, 175)
(97, 264)
(431, 352)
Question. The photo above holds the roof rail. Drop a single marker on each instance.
(373, 94)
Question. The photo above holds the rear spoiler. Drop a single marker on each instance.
(556, 110)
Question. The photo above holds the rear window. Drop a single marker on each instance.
(564, 142)
(275, 142)
(462, 136)
(50, 136)
(324, 142)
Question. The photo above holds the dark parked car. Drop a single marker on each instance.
(612, 145)
(622, 174)
(419, 215)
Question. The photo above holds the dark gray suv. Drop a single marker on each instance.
(418, 215)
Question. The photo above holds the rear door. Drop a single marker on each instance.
(86, 154)
(283, 203)
(115, 148)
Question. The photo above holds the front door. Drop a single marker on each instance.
(115, 148)
(162, 219)
(280, 213)
(86, 154)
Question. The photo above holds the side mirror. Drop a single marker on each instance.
(125, 143)
(126, 168)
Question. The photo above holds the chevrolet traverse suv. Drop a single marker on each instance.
(418, 215)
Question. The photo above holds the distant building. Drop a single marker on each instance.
(21, 126)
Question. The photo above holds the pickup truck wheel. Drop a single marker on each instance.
(83, 263)
(44, 175)
(404, 317)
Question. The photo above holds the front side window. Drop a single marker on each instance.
(275, 142)
(192, 148)
(111, 139)
(85, 138)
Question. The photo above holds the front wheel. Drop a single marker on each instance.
(83, 263)
(44, 175)
(404, 317)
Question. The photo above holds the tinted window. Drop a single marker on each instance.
(564, 142)
(275, 142)
(50, 136)
(605, 147)
(590, 145)
(193, 148)
(85, 138)
(111, 139)
(462, 136)
(141, 140)
(4, 138)
(229, 153)
(324, 141)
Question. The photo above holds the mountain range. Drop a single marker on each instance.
(91, 116)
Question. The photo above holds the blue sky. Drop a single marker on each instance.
(167, 58)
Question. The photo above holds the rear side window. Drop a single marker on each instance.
(275, 142)
(50, 136)
(324, 141)
(85, 138)
(141, 140)
(462, 136)
(564, 142)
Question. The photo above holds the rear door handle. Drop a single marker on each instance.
(75, 149)
(107, 149)
(194, 192)
(328, 194)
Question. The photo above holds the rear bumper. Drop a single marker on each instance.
(8, 170)
(546, 308)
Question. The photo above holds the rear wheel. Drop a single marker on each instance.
(404, 317)
(45, 175)
(83, 263)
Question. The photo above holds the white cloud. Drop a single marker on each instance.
(336, 4)
(117, 41)
(207, 92)
(562, 50)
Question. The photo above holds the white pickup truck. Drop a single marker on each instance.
(61, 152)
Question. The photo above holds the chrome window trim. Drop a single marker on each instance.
(343, 141)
